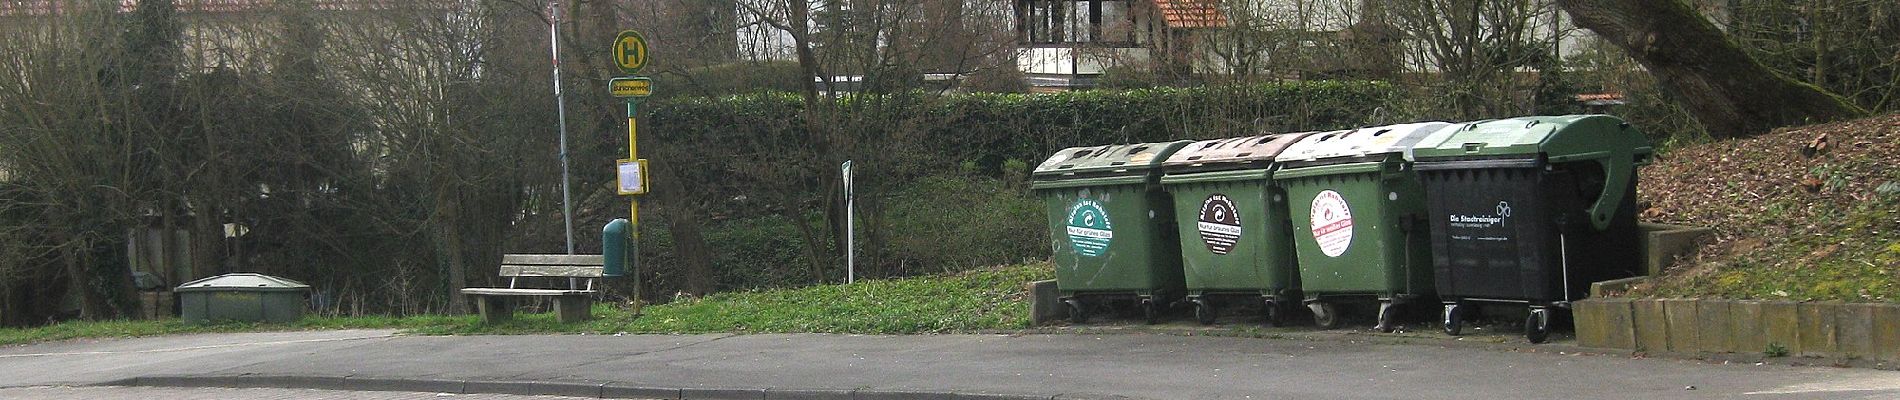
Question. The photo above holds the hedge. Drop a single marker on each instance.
(992, 127)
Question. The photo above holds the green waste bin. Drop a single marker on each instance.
(1357, 209)
(1530, 211)
(1231, 219)
(242, 297)
(1111, 226)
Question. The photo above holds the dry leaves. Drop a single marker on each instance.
(1730, 184)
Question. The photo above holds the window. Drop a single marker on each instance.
(1111, 22)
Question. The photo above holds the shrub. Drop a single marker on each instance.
(950, 224)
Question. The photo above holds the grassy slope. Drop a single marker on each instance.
(1788, 225)
(987, 299)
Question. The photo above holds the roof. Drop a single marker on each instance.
(17, 8)
(1192, 13)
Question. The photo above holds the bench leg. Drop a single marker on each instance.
(572, 309)
(495, 309)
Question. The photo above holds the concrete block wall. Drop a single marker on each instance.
(1810, 329)
(1045, 302)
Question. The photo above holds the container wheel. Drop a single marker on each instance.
(1454, 319)
(1537, 326)
(1204, 311)
(1388, 316)
(1324, 314)
(1150, 311)
(1077, 314)
(1276, 316)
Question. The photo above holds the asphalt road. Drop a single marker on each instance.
(197, 393)
(843, 366)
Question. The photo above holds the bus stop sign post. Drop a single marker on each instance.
(630, 54)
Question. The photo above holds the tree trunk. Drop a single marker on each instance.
(682, 222)
(206, 244)
(1729, 92)
(449, 248)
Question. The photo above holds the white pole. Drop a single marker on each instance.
(850, 229)
(560, 107)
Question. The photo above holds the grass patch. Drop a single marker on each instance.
(986, 299)
(979, 300)
(127, 329)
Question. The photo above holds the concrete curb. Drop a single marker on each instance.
(1706, 327)
(605, 390)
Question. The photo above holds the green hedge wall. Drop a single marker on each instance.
(992, 127)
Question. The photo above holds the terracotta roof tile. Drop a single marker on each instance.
(1192, 13)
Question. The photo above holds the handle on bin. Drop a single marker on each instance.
(1617, 173)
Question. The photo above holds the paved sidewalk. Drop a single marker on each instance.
(892, 367)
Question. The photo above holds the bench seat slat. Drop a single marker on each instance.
(569, 271)
(525, 292)
(554, 259)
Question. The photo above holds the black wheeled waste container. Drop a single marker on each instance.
(1530, 211)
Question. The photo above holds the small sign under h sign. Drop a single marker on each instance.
(633, 176)
(631, 87)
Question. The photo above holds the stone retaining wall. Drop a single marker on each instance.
(1811, 329)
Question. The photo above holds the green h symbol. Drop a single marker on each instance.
(629, 53)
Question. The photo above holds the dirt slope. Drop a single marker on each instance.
(1805, 213)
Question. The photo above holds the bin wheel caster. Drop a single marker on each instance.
(1324, 315)
(1454, 320)
(1077, 314)
(1388, 316)
(1150, 311)
(1537, 326)
(1204, 311)
(1276, 316)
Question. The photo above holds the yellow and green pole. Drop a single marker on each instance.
(630, 54)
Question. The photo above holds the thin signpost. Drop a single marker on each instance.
(560, 107)
(629, 52)
(850, 229)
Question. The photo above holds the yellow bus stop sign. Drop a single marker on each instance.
(630, 52)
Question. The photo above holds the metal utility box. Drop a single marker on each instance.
(242, 297)
(1358, 218)
(1231, 219)
(1111, 226)
(1531, 211)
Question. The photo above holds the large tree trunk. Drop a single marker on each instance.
(1729, 92)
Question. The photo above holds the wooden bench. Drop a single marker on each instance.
(571, 304)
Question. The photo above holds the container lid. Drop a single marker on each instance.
(1605, 140)
(1232, 151)
(1562, 138)
(1368, 141)
(1116, 159)
(242, 282)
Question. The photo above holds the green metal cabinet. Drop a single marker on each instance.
(1231, 219)
(1357, 211)
(1111, 226)
(242, 297)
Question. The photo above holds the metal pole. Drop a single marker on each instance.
(633, 207)
(850, 229)
(560, 106)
